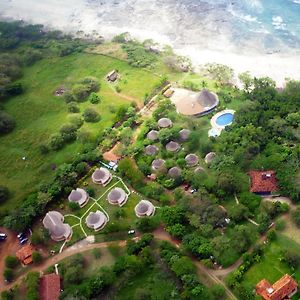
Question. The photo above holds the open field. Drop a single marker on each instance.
(39, 114)
(271, 267)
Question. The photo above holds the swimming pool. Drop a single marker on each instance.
(225, 119)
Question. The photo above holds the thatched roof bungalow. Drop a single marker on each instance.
(151, 150)
(164, 123)
(152, 135)
(101, 176)
(172, 147)
(184, 135)
(158, 164)
(79, 196)
(191, 160)
(210, 157)
(96, 220)
(144, 209)
(174, 172)
(117, 196)
(58, 230)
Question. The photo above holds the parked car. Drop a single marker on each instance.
(3, 236)
(21, 236)
(132, 231)
(23, 241)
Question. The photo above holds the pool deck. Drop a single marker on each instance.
(216, 128)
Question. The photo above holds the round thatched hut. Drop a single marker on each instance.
(158, 164)
(151, 150)
(210, 157)
(172, 147)
(144, 209)
(152, 135)
(184, 135)
(117, 196)
(191, 160)
(79, 196)
(101, 176)
(96, 220)
(174, 172)
(164, 123)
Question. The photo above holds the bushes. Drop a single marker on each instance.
(11, 262)
(32, 282)
(8, 274)
(73, 107)
(296, 216)
(90, 115)
(94, 98)
(7, 123)
(4, 194)
(36, 257)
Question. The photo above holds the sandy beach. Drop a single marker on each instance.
(96, 17)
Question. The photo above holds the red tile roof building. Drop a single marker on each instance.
(25, 254)
(50, 287)
(284, 288)
(263, 181)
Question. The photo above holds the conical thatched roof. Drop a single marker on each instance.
(152, 135)
(172, 146)
(174, 172)
(79, 196)
(54, 223)
(184, 135)
(210, 157)
(207, 99)
(144, 208)
(117, 196)
(151, 150)
(164, 123)
(199, 170)
(192, 160)
(96, 220)
(158, 164)
(101, 176)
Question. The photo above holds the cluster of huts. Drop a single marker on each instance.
(96, 220)
(191, 159)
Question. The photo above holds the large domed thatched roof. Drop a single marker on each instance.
(174, 172)
(164, 123)
(151, 150)
(172, 146)
(152, 135)
(192, 159)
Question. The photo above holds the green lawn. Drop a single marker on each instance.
(270, 267)
(38, 114)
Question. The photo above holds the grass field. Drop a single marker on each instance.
(271, 267)
(38, 114)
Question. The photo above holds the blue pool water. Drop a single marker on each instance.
(225, 119)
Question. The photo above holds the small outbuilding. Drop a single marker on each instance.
(96, 220)
(117, 196)
(79, 196)
(164, 123)
(184, 135)
(24, 254)
(168, 93)
(144, 209)
(191, 160)
(49, 287)
(112, 76)
(152, 135)
(58, 230)
(172, 147)
(158, 164)
(210, 157)
(151, 150)
(174, 172)
(102, 176)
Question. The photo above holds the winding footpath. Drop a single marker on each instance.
(82, 246)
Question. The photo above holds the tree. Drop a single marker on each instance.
(4, 194)
(74, 206)
(246, 80)
(36, 257)
(11, 262)
(94, 98)
(90, 115)
(8, 274)
(292, 258)
(56, 142)
(296, 216)
(32, 282)
(73, 107)
(218, 292)
(239, 213)
(7, 123)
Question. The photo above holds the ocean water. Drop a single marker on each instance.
(243, 26)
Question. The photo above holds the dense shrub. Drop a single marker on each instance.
(90, 115)
(94, 98)
(8, 274)
(7, 123)
(11, 262)
(4, 194)
(32, 282)
(73, 107)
